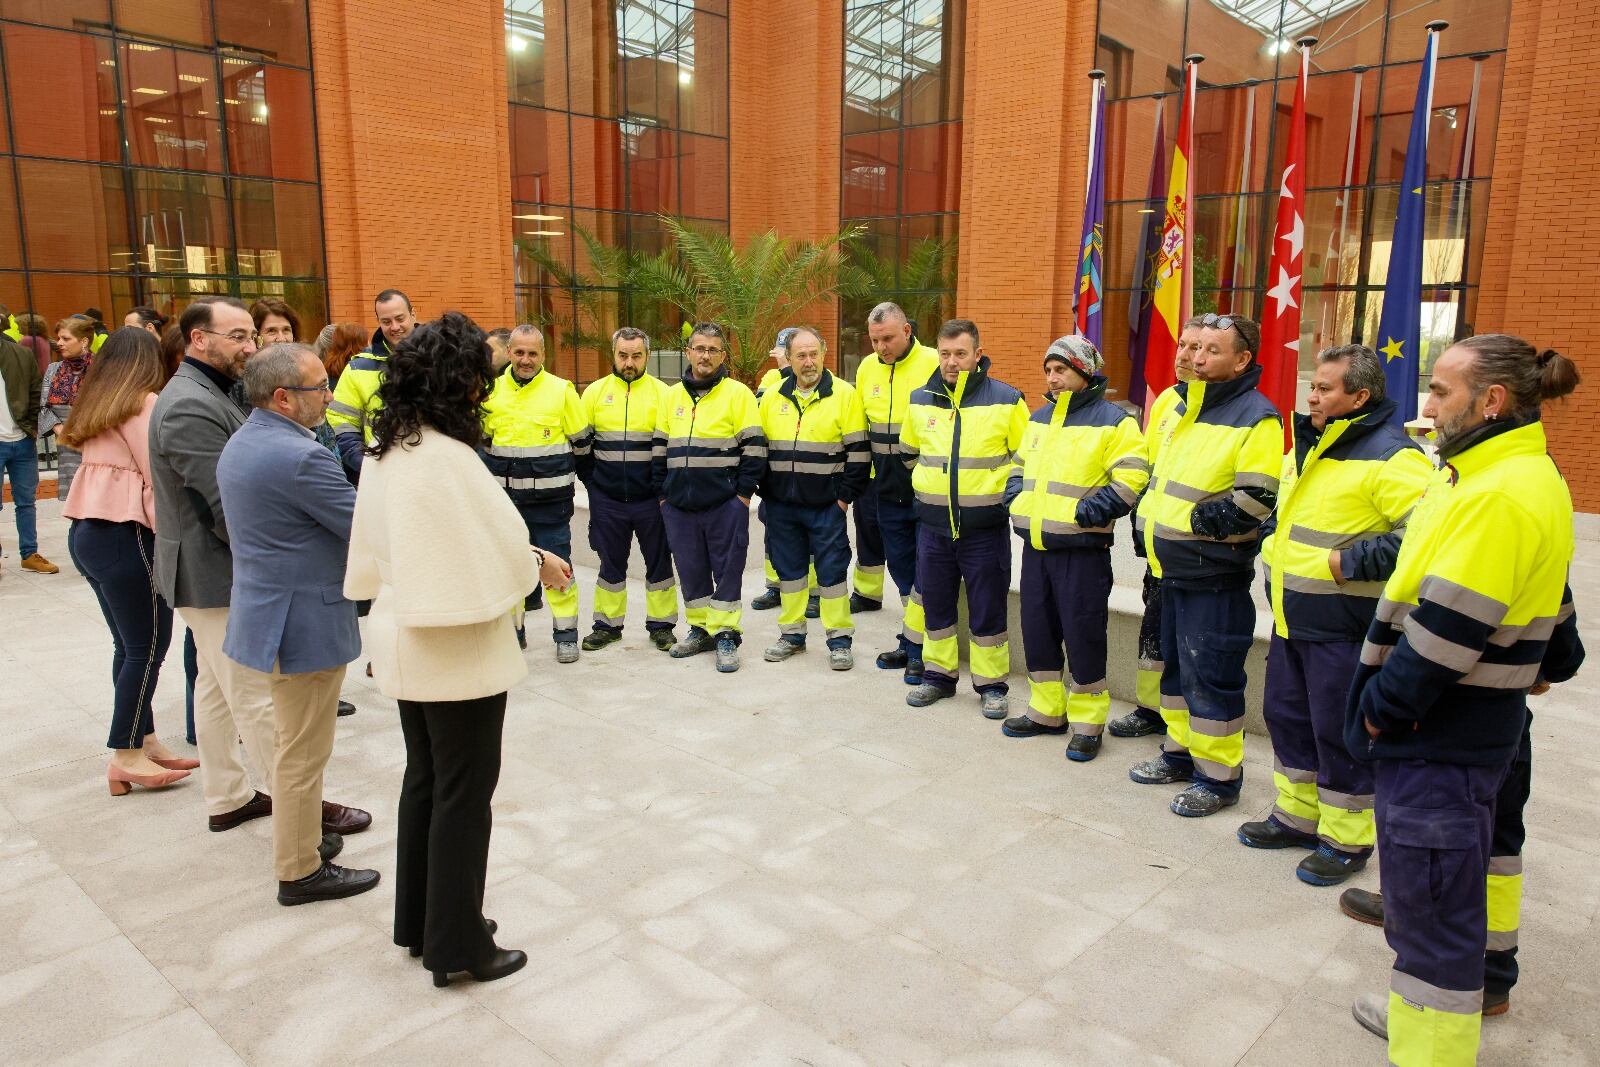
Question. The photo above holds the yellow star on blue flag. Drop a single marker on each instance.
(1392, 350)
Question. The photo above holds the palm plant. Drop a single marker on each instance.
(751, 292)
(923, 283)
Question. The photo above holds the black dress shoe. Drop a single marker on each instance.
(504, 961)
(1022, 726)
(892, 660)
(338, 819)
(346, 708)
(331, 846)
(328, 882)
(255, 808)
(416, 950)
(1362, 905)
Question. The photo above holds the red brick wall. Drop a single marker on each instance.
(1544, 220)
(415, 155)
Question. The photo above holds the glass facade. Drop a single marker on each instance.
(901, 158)
(1364, 72)
(618, 114)
(156, 151)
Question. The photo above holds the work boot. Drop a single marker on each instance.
(346, 709)
(1082, 748)
(599, 638)
(768, 599)
(813, 607)
(913, 674)
(566, 651)
(1496, 1003)
(1158, 772)
(694, 643)
(727, 654)
(1022, 726)
(783, 649)
(1197, 801)
(995, 705)
(927, 693)
(1270, 833)
(840, 659)
(1137, 723)
(1362, 905)
(1328, 866)
(859, 603)
(892, 660)
(663, 639)
(1372, 1012)
(39, 565)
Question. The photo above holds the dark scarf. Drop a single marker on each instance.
(67, 380)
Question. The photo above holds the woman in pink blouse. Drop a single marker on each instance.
(112, 541)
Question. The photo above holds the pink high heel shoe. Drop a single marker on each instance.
(121, 782)
(176, 763)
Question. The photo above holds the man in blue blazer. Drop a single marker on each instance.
(289, 509)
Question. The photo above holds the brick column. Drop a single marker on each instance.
(415, 155)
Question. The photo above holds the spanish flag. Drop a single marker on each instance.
(1174, 284)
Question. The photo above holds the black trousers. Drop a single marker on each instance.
(442, 851)
(118, 559)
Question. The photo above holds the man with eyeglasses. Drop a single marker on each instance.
(355, 401)
(289, 509)
(707, 459)
(190, 425)
(1215, 483)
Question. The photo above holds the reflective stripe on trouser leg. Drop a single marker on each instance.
(1174, 709)
(985, 561)
(792, 599)
(1041, 641)
(771, 573)
(830, 551)
(689, 554)
(837, 622)
(868, 581)
(1087, 708)
(939, 581)
(555, 537)
(1214, 631)
(897, 528)
(789, 554)
(1434, 824)
(913, 619)
(1047, 698)
(610, 604)
(1294, 749)
(695, 612)
(1147, 683)
(661, 605)
(1344, 784)
(563, 605)
(1505, 873)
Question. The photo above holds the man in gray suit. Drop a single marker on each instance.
(192, 421)
(289, 508)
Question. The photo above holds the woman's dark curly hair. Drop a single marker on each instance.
(436, 378)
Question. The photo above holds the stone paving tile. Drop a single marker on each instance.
(786, 865)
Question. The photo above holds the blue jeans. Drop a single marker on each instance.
(20, 461)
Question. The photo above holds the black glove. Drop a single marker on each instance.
(1202, 521)
(1091, 514)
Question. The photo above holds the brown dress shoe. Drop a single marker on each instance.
(39, 565)
(258, 806)
(338, 819)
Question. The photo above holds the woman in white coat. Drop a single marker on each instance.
(441, 551)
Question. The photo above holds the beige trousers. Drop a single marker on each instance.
(231, 704)
(304, 708)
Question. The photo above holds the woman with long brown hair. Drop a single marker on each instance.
(112, 542)
(62, 379)
(337, 345)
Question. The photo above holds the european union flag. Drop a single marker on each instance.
(1399, 340)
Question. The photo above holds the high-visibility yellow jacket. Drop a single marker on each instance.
(816, 445)
(1163, 416)
(1477, 609)
(535, 438)
(1349, 487)
(958, 443)
(1215, 483)
(355, 400)
(886, 390)
(771, 380)
(1081, 467)
(708, 444)
(623, 416)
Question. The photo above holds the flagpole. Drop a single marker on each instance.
(1192, 63)
(1097, 88)
(1347, 179)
